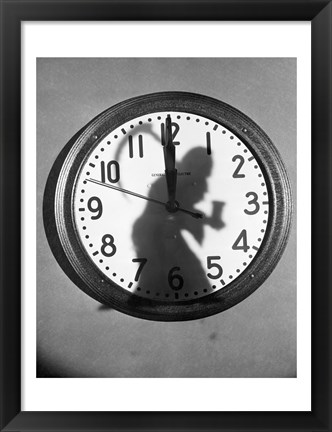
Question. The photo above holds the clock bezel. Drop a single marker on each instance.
(67, 248)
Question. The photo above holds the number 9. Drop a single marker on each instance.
(95, 209)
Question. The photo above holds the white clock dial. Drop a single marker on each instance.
(141, 246)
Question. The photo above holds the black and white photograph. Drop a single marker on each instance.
(165, 253)
(166, 224)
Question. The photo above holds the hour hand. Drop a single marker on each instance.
(170, 171)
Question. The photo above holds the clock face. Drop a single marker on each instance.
(169, 206)
(152, 252)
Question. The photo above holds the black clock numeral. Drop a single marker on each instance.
(241, 238)
(236, 173)
(140, 146)
(111, 171)
(174, 133)
(175, 280)
(98, 208)
(108, 247)
(214, 265)
(142, 262)
(254, 202)
(208, 143)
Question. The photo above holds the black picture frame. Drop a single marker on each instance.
(13, 12)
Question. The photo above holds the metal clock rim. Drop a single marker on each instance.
(60, 227)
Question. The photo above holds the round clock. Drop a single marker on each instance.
(169, 206)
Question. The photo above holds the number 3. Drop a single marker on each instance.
(254, 202)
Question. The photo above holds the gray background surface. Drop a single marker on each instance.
(76, 336)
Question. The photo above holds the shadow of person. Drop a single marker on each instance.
(172, 270)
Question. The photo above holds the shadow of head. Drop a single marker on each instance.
(193, 186)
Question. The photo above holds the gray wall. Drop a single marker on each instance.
(77, 337)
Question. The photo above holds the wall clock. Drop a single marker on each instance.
(169, 206)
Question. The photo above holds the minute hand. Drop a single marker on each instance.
(196, 215)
